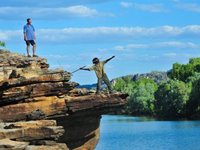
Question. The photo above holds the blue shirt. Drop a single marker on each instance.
(29, 31)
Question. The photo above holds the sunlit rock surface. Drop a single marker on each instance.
(29, 90)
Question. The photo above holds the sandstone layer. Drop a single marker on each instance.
(29, 91)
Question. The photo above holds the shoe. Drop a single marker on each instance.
(98, 92)
(28, 55)
(112, 92)
(35, 56)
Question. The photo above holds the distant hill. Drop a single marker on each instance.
(88, 86)
(157, 76)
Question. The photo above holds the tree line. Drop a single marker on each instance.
(2, 44)
(176, 97)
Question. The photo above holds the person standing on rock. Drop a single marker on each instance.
(98, 67)
(30, 37)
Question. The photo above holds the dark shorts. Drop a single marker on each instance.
(28, 42)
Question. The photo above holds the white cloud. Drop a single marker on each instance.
(9, 35)
(58, 56)
(178, 56)
(129, 47)
(47, 3)
(151, 7)
(193, 7)
(118, 33)
(170, 55)
(155, 8)
(107, 34)
(49, 13)
(177, 44)
(81, 11)
(175, 1)
(157, 45)
(126, 4)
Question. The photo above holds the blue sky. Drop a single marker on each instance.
(144, 35)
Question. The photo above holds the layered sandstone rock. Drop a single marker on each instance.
(13, 145)
(31, 91)
(13, 135)
(22, 78)
(13, 65)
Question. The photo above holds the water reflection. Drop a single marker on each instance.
(185, 124)
(122, 118)
(143, 133)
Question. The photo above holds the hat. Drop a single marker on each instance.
(95, 60)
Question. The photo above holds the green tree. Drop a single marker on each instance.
(171, 99)
(141, 99)
(184, 71)
(174, 73)
(119, 85)
(2, 44)
(196, 63)
(127, 79)
(194, 78)
(124, 85)
(193, 106)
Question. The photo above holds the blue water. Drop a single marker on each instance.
(139, 133)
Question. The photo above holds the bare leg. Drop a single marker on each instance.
(28, 50)
(34, 49)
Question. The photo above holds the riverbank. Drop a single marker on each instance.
(175, 96)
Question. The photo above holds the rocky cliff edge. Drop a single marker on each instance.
(29, 91)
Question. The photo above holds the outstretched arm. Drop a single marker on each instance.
(83, 68)
(107, 60)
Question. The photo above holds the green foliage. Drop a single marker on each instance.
(119, 85)
(2, 44)
(174, 72)
(194, 103)
(141, 100)
(141, 94)
(194, 78)
(182, 72)
(171, 99)
(124, 84)
(196, 63)
(174, 98)
(127, 79)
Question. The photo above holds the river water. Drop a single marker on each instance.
(140, 133)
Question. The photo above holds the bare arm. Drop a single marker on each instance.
(107, 60)
(24, 36)
(24, 31)
(82, 68)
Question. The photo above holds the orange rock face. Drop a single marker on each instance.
(29, 132)
(30, 91)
